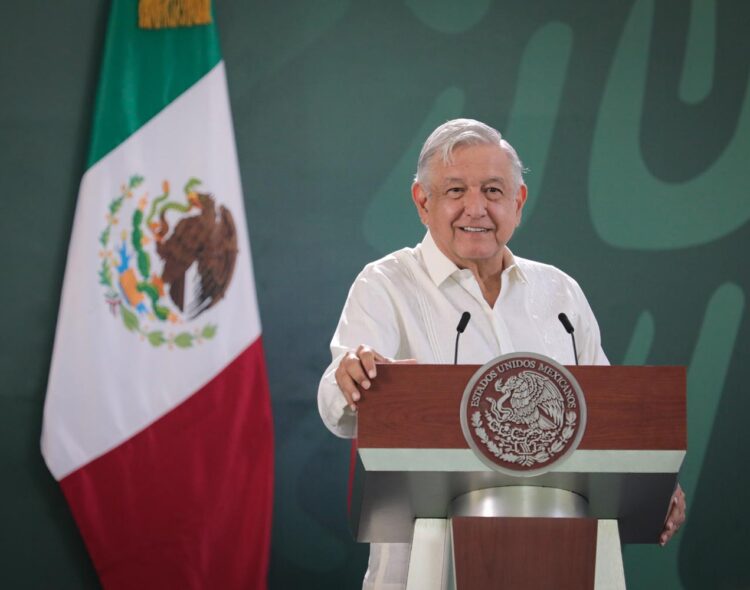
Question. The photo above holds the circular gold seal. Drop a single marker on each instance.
(523, 413)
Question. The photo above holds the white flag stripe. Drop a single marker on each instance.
(106, 384)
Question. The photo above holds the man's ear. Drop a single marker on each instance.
(520, 202)
(420, 198)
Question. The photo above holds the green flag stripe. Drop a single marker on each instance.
(142, 72)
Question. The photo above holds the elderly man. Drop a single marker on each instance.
(469, 193)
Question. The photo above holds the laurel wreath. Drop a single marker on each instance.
(156, 338)
(506, 452)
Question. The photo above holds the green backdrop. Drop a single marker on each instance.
(632, 117)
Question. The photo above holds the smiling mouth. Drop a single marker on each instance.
(474, 230)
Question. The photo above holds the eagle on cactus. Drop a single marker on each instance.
(206, 242)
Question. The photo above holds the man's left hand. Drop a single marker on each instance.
(675, 516)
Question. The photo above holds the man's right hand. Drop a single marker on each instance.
(357, 370)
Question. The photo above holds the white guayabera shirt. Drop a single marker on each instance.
(407, 305)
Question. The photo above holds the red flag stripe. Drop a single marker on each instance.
(195, 487)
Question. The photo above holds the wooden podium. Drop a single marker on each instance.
(415, 479)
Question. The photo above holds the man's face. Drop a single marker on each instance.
(471, 206)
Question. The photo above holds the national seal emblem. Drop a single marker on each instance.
(523, 413)
(171, 260)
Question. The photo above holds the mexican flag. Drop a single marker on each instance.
(157, 420)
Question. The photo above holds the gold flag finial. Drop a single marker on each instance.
(162, 14)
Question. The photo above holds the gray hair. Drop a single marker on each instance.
(460, 132)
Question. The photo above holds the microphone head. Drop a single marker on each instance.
(565, 322)
(465, 317)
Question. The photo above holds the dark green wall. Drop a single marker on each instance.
(632, 117)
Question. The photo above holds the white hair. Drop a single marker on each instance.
(460, 132)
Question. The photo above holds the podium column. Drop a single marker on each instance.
(516, 537)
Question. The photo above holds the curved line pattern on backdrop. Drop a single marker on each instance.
(632, 209)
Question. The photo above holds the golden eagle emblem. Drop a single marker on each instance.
(173, 261)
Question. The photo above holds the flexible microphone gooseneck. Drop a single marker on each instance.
(569, 329)
(465, 317)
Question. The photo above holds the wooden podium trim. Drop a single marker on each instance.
(418, 407)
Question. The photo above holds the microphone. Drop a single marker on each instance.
(462, 323)
(569, 329)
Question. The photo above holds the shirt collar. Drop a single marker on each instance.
(440, 267)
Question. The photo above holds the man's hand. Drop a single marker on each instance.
(357, 369)
(675, 516)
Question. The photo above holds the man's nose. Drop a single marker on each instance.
(475, 203)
